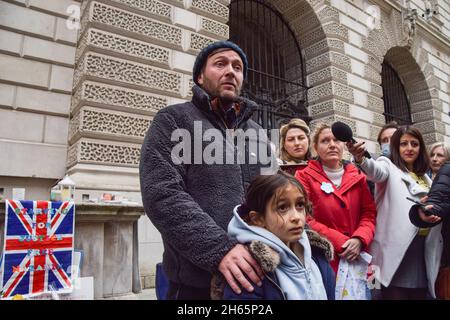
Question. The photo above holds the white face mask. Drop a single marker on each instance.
(385, 150)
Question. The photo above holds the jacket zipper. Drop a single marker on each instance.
(276, 286)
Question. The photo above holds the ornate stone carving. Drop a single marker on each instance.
(427, 105)
(135, 23)
(341, 60)
(149, 6)
(374, 131)
(372, 74)
(103, 152)
(427, 126)
(372, 49)
(321, 109)
(422, 116)
(420, 96)
(376, 90)
(106, 67)
(212, 7)
(333, 89)
(299, 9)
(318, 62)
(307, 22)
(214, 27)
(378, 119)
(312, 36)
(430, 138)
(336, 44)
(111, 123)
(105, 40)
(329, 73)
(283, 5)
(125, 99)
(409, 26)
(198, 42)
(375, 104)
(72, 155)
(74, 125)
(333, 30)
(321, 91)
(316, 49)
(328, 14)
(330, 107)
(343, 91)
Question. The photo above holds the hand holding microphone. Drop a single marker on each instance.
(344, 133)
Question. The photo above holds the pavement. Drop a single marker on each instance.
(146, 294)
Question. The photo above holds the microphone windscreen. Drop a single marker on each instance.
(342, 131)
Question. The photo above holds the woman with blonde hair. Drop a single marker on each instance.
(294, 145)
(439, 153)
(343, 208)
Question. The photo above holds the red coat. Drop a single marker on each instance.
(347, 212)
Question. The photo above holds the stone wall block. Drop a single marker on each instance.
(211, 8)
(117, 98)
(113, 125)
(110, 43)
(131, 24)
(214, 28)
(104, 152)
(129, 73)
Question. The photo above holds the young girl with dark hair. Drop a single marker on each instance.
(271, 222)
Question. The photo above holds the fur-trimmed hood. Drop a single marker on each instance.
(269, 259)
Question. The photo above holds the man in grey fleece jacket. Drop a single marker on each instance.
(188, 197)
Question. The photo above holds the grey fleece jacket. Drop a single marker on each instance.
(192, 204)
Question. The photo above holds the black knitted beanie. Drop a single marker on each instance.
(203, 56)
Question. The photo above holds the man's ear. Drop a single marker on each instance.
(257, 219)
(200, 78)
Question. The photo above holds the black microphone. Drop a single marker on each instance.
(344, 133)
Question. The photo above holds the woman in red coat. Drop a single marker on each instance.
(343, 207)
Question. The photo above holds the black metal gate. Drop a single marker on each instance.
(396, 104)
(276, 79)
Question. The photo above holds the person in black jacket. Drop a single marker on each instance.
(437, 209)
(195, 165)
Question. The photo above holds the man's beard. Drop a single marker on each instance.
(224, 96)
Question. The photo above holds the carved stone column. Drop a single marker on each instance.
(123, 77)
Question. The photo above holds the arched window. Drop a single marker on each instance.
(396, 104)
(276, 70)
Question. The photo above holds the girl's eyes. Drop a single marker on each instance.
(300, 205)
(283, 207)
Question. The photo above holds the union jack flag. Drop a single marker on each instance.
(38, 248)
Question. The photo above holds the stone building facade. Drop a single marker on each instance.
(77, 95)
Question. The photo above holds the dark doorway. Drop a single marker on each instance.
(396, 104)
(276, 79)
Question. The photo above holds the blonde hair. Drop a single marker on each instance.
(318, 130)
(440, 144)
(293, 123)
(315, 136)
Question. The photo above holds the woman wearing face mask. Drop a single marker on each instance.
(294, 146)
(439, 153)
(343, 208)
(408, 256)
